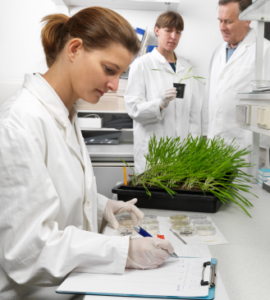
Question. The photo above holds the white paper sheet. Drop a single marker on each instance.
(165, 225)
(176, 277)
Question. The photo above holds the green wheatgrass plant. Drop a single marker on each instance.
(210, 165)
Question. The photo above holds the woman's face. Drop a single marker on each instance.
(95, 72)
(168, 38)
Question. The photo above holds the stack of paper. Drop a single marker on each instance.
(263, 176)
(122, 86)
(120, 94)
(105, 103)
(121, 104)
(111, 101)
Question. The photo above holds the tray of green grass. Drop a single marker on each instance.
(195, 174)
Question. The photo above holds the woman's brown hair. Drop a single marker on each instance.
(97, 27)
(170, 19)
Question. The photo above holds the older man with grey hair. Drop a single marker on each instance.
(231, 70)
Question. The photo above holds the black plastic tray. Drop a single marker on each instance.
(183, 199)
(266, 187)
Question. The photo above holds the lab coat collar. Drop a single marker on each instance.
(164, 62)
(48, 97)
(38, 86)
(242, 47)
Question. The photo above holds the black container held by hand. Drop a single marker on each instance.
(180, 88)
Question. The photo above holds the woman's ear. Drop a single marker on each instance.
(156, 31)
(74, 47)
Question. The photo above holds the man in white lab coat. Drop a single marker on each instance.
(231, 70)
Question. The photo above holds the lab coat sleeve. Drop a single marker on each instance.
(139, 108)
(33, 250)
(195, 110)
(102, 201)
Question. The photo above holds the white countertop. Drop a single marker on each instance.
(244, 263)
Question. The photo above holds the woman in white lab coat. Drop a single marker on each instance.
(150, 97)
(50, 211)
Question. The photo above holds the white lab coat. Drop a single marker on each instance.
(50, 211)
(225, 81)
(142, 99)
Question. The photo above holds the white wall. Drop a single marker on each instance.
(200, 36)
(21, 50)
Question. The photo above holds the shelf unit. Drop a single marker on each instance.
(154, 5)
(106, 161)
(259, 11)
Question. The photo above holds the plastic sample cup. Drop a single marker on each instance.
(206, 230)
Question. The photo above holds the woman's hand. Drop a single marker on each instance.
(114, 207)
(148, 253)
(167, 96)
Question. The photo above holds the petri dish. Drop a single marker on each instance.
(178, 217)
(123, 231)
(259, 84)
(153, 229)
(197, 217)
(123, 216)
(206, 230)
(126, 223)
(202, 222)
(150, 216)
(149, 221)
(186, 231)
(176, 225)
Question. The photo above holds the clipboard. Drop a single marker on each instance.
(69, 286)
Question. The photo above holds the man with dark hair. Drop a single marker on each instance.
(231, 70)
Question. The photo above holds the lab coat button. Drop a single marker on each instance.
(87, 203)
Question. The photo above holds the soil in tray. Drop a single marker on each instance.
(180, 187)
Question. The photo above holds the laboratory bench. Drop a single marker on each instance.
(243, 263)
